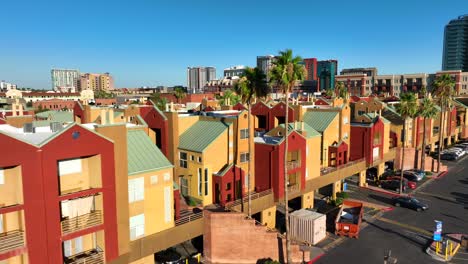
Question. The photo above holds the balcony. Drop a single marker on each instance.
(93, 256)
(11, 240)
(294, 164)
(74, 224)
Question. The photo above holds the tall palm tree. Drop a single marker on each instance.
(286, 71)
(407, 108)
(427, 110)
(444, 92)
(229, 98)
(179, 93)
(341, 90)
(251, 85)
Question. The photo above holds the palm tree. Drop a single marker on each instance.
(341, 90)
(427, 110)
(229, 98)
(179, 93)
(251, 85)
(444, 92)
(284, 74)
(406, 109)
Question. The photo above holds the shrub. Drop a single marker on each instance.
(343, 195)
(428, 173)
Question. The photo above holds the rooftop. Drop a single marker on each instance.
(319, 120)
(200, 135)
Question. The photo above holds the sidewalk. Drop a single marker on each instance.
(446, 253)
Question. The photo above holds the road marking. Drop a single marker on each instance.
(406, 226)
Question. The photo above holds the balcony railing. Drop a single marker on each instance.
(253, 196)
(74, 224)
(293, 189)
(293, 164)
(328, 170)
(188, 218)
(11, 240)
(93, 256)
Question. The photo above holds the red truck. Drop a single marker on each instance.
(348, 220)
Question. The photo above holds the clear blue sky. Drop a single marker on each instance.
(151, 42)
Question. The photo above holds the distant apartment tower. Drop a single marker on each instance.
(455, 54)
(370, 72)
(265, 63)
(311, 68)
(197, 77)
(96, 82)
(326, 72)
(234, 71)
(5, 86)
(65, 80)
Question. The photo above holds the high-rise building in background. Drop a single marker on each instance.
(5, 86)
(326, 72)
(65, 80)
(265, 63)
(455, 54)
(311, 68)
(197, 77)
(96, 82)
(234, 71)
(370, 72)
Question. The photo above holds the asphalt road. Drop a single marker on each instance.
(406, 232)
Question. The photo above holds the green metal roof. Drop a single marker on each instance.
(310, 131)
(200, 135)
(224, 170)
(143, 155)
(56, 116)
(319, 120)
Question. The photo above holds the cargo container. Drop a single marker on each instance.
(307, 226)
(348, 220)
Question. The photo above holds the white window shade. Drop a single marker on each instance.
(167, 204)
(375, 153)
(136, 189)
(2, 176)
(137, 226)
(69, 166)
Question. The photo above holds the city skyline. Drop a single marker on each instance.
(146, 48)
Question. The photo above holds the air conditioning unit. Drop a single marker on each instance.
(29, 128)
(55, 126)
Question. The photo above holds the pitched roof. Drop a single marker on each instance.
(390, 114)
(310, 131)
(200, 135)
(224, 170)
(57, 116)
(143, 155)
(319, 120)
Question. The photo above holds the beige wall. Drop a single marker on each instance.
(12, 189)
(89, 177)
(153, 204)
(313, 157)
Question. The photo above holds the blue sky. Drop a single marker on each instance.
(151, 42)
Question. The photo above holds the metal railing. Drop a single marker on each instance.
(294, 164)
(74, 224)
(293, 188)
(93, 256)
(328, 170)
(253, 196)
(188, 218)
(11, 240)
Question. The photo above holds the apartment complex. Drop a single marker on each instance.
(455, 53)
(65, 80)
(197, 77)
(234, 71)
(96, 82)
(265, 63)
(5, 86)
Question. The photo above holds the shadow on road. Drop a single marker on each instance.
(461, 198)
(422, 245)
(455, 217)
(383, 199)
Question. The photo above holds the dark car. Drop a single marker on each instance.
(410, 176)
(392, 185)
(409, 202)
(411, 184)
(371, 174)
(449, 156)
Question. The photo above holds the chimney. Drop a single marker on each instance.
(20, 108)
(302, 126)
(172, 106)
(103, 116)
(111, 115)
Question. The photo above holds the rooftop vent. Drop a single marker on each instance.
(29, 128)
(55, 126)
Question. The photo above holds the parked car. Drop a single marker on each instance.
(411, 184)
(409, 202)
(371, 174)
(392, 185)
(419, 173)
(462, 146)
(449, 156)
(456, 150)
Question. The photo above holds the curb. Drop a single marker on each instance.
(316, 258)
(441, 175)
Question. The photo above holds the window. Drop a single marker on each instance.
(183, 159)
(200, 181)
(167, 176)
(69, 166)
(192, 157)
(244, 157)
(137, 226)
(199, 159)
(167, 204)
(136, 189)
(1, 224)
(345, 120)
(244, 133)
(154, 179)
(67, 248)
(360, 112)
(228, 186)
(206, 182)
(2, 177)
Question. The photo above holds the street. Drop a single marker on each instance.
(406, 232)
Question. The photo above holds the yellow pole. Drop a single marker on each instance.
(437, 247)
(446, 252)
(451, 247)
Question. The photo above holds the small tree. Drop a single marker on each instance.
(427, 110)
(179, 93)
